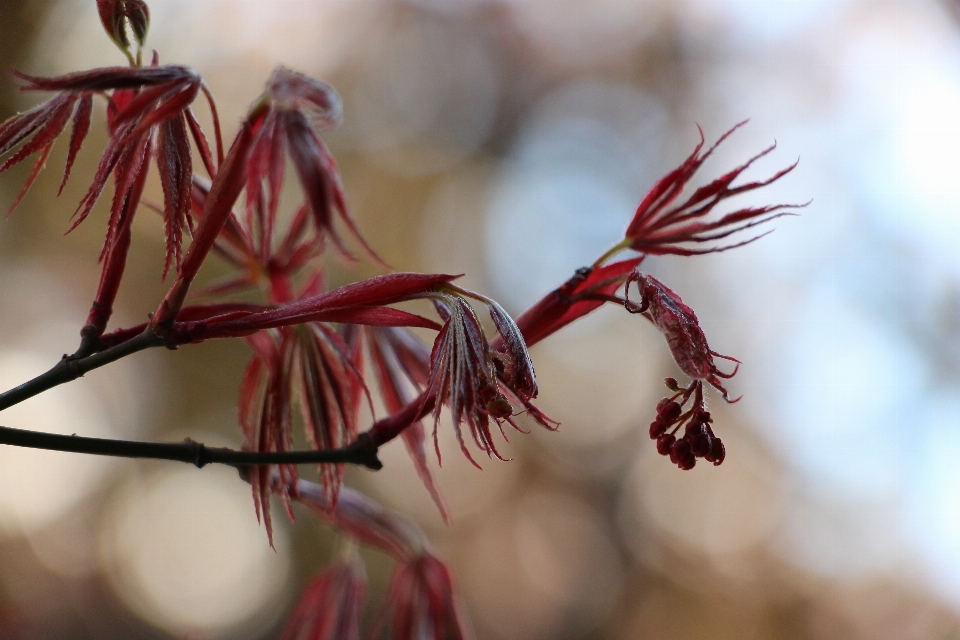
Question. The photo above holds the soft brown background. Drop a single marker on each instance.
(510, 141)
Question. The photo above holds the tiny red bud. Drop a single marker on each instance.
(657, 429)
(665, 444)
(672, 384)
(694, 429)
(682, 455)
(669, 411)
(702, 444)
(717, 452)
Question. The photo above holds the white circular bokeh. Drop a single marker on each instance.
(183, 550)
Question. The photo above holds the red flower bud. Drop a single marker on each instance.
(681, 454)
(657, 429)
(717, 452)
(669, 411)
(665, 444)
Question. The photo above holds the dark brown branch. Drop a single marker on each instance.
(70, 368)
(361, 451)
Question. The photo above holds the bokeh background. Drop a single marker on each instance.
(511, 140)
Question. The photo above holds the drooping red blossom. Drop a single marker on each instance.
(688, 345)
(679, 326)
(698, 440)
(662, 226)
(422, 603)
(330, 606)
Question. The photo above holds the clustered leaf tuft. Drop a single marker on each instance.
(319, 350)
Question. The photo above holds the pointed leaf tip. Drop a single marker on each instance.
(117, 15)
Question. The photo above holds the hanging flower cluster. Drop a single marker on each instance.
(321, 354)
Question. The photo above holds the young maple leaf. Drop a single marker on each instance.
(149, 115)
(330, 387)
(477, 382)
(400, 362)
(297, 106)
(330, 606)
(248, 243)
(117, 15)
(264, 412)
(422, 601)
(660, 227)
(309, 362)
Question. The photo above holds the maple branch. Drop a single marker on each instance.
(361, 451)
(70, 367)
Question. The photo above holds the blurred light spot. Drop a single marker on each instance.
(544, 224)
(569, 190)
(709, 510)
(900, 132)
(561, 575)
(763, 22)
(833, 534)
(600, 378)
(424, 99)
(451, 230)
(849, 388)
(930, 137)
(184, 551)
(932, 514)
(468, 491)
(69, 546)
(566, 554)
(582, 34)
(36, 486)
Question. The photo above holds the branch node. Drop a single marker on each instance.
(73, 367)
(201, 456)
(367, 451)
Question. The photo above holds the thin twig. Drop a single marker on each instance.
(70, 368)
(361, 451)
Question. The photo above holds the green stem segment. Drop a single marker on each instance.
(624, 244)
